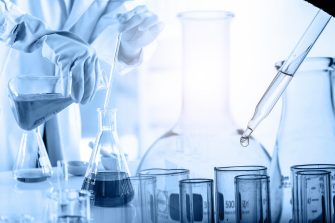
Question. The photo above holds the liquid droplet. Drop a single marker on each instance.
(244, 141)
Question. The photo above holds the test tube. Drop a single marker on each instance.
(326, 167)
(252, 196)
(196, 200)
(167, 192)
(313, 196)
(224, 189)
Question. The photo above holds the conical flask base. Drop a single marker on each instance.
(111, 189)
(32, 175)
(32, 162)
(107, 175)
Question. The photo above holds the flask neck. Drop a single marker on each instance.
(206, 102)
(205, 67)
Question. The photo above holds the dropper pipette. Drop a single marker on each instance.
(285, 73)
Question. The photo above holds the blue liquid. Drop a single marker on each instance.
(71, 219)
(110, 189)
(32, 110)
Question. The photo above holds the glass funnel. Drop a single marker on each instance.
(205, 135)
(107, 175)
(32, 162)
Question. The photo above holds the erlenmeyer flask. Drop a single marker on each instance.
(107, 175)
(32, 163)
(306, 133)
(205, 135)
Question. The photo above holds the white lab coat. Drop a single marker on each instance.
(63, 131)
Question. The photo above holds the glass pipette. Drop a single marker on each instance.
(285, 73)
(108, 102)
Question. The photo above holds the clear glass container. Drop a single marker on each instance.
(34, 99)
(32, 162)
(205, 135)
(167, 192)
(306, 131)
(107, 175)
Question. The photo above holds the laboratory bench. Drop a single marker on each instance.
(30, 201)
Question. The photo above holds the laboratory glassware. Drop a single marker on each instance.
(306, 132)
(326, 167)
(224, 189)
(313, 196)
(286, 73)
(107, 176)
(32, 162)
(205, 134)
(167, 192)
(143, 203)
(68, 206)
(196, 200)
(34, 99)
(252, 198)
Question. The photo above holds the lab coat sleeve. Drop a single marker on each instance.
(72, 55)
(20, 30)
(10, 16)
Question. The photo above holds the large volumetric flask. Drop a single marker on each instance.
(205, 135)
(107, 175)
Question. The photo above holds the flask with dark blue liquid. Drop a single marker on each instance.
(107, 176)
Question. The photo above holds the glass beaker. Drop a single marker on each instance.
(306, 131)
(252, 198)
(143, 202)
(205, 134)
(167, 192)
(225, 191)
(34, 99)
(313, 196)
(306, 167)
(107, 175)
(196, 200)
(68, 206)
(32, 162)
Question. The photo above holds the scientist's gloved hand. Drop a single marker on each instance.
(139, 27)
(73, 57)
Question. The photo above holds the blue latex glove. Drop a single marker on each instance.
(76, 58)
(139, 27)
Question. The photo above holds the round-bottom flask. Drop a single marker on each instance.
(107, 175)
(205, 135)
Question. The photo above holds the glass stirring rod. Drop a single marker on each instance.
(285, 73)
(108, 102)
